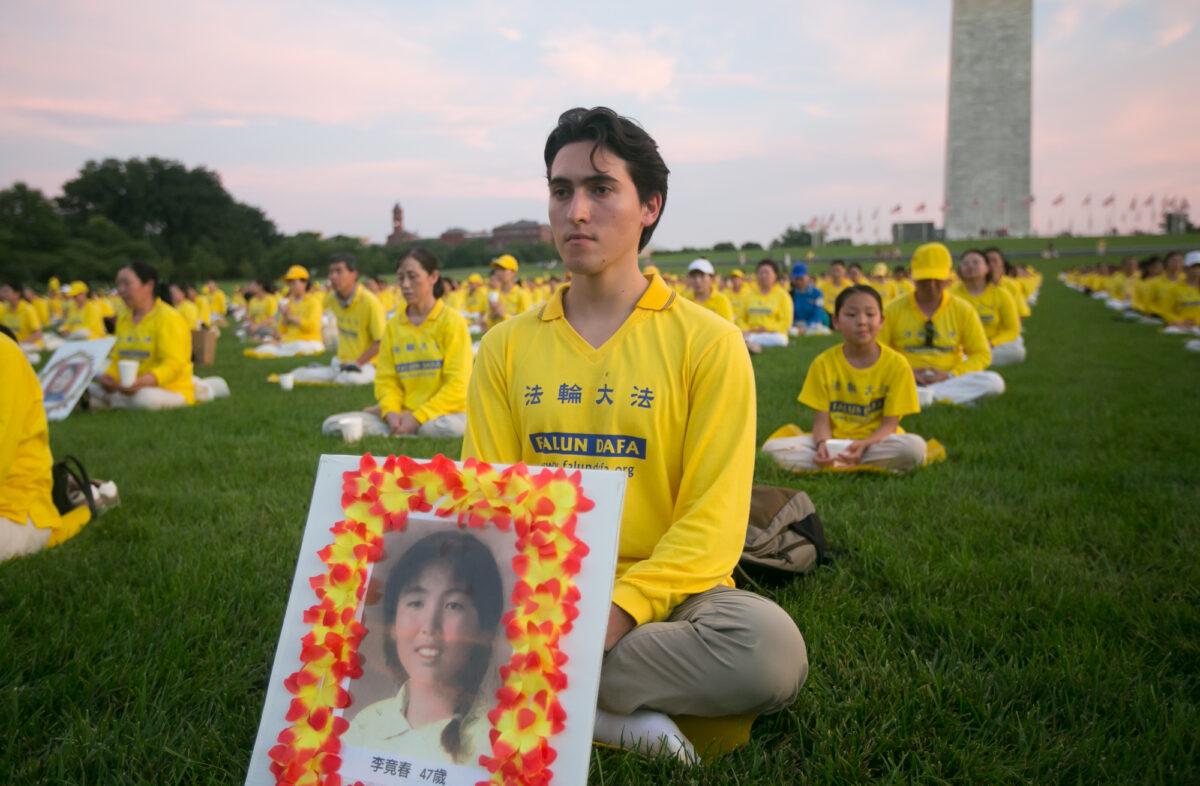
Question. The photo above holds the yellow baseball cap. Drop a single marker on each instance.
(474, 278)
(880, 269)
(296, 273)
(736, 274)
(54, 283)
(506, 262)
(931, 260)
(76, 288)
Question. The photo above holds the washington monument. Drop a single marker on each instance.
(987, 135)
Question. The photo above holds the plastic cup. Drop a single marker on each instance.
(493, 296)
(834, 447)
(286, 381)
(128, 370)
(352, 430)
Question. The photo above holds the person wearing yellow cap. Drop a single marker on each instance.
(298, 330)
(84, 318)
(766, 309)
(700, 277)
(996, 308)
(940, 335)
(474, 302)
(424, 362)
(618, 372)
(505, 298)
(882, 283)
(157, 338)
(360, 322)
(736, 290)
(20, 317)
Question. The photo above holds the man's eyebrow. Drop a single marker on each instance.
(590, 180)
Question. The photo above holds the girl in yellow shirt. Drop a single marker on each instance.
(996, 308)
(858, 390)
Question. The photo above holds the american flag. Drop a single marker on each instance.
(1087, 200)
(1058, 200)
(896, 210)
(920, 207)
(1110, 200)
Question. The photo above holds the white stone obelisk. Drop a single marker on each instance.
(987, 134)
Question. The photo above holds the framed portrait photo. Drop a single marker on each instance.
(69, 371)
(445, 625)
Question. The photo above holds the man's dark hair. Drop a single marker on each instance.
(346, 259)
(855, 289)
(622, 137)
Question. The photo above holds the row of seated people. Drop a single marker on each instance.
(1158, 290)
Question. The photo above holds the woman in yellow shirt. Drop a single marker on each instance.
(157, 338)
(423, 365)
(766, 309)
(858, 390)
(1003, 276)
(261, 305)
(996, 308)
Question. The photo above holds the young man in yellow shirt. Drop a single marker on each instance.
(940, 335)
(360, 321)
(618, 372)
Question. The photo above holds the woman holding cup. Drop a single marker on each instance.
(152, 359)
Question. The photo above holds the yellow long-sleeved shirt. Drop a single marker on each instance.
(86, 317)
(261, 307)
(771, 312)
(21, 320)
(360, 322)
(220, 304)
(957, 344)
(515, 301)
(1183, 304)
(424, 368)
(716, 303)
(42, 306)
(1018, 295)
(308, 310)
(161, 344)
(190, 313)
(668, 399)
(25, 460)
(996, 309)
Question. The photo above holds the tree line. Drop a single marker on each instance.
(185, 223)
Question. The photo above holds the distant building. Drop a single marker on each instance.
(915, 232)
(521, 232)
(399, 234)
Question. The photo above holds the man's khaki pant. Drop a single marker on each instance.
(722, 652)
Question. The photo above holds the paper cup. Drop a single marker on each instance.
(834, 447)
(128, 370)
(493, 296)
(286, 381)
(352, 430)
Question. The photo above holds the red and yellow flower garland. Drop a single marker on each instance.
(542, 509)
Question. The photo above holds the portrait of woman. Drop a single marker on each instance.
(442, 602)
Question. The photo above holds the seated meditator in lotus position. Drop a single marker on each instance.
(858, 391)
(360, 322)
(298, 321)
(423, 365)
(700, 278)
(809, 317)
(766, 309)
(155, 336)
(616, 357)
(995, 306)
(21, 318)
(940, 335)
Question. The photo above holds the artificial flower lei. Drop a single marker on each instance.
(541, 509)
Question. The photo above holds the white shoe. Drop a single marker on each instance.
(644, 731)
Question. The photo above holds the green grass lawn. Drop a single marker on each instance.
(1028, 611)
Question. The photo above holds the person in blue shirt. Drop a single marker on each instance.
(808, 304)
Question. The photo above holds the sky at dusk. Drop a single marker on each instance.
(324, 114)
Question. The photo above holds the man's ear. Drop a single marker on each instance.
(651, 209)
